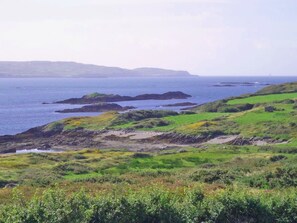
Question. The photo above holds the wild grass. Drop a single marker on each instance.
(175, 122)
(91, 123)
(263, 98)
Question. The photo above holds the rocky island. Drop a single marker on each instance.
(236, 84)
(181, 104)
(95, 98)
(102, 107)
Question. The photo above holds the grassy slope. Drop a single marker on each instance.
(176, 121)
(264, 98)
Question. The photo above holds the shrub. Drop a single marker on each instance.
(235, 108)
(277, 158)
(151, 123)
(74, 167)
(36, 177)
(211, 176)
(79, 157)
(282, 177)
(141, 155)
(153, 205)
(105, 178)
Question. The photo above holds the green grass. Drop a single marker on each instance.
(91, 123)
(263, 98)
(258, 115)
(37, 169)
(176, 160)
(177, 121)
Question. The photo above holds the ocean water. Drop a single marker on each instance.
(21, 100)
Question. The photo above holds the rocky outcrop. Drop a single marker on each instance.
(96, 98)
(235, 84)
(241, 141)
(103, 107)
(179, 138)
(182, 104)
(37, 138)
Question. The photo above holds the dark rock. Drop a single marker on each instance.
(103, 107)
(141, 155)
(277, 158)
(269, 109)
(44, 147)
(182, 104)
(178, 138)
(240, 141)
(11, 185)
(8, 150)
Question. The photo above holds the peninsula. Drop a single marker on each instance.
(72, 69)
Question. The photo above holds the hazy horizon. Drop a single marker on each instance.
(204, 37)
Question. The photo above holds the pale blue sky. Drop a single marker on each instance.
(206, 37)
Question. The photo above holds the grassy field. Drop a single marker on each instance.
(264, 98)
(40, 170)
(176, 121)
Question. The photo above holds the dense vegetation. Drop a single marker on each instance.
(154, 205)
(217, 183)
(208, 183)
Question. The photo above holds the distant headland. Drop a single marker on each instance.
(73, 69)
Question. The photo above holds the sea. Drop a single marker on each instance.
(22, 99)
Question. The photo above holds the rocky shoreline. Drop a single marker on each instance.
(132, 140)
(181, 104)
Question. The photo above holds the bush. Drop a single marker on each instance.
(79, 157)
(74, 167)
(221, 106)
(36, 177)
(212, 176)
(151, 123)
(153, 205)
(105, 178)
(282, 177)
(141, 155)
(235, 108)
(277, 158)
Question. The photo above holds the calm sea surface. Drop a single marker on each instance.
(21, 100)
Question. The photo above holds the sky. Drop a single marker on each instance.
(204, 37)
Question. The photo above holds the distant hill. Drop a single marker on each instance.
(73, 69)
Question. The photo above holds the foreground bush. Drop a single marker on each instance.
(153, 205)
